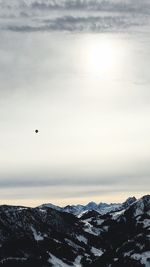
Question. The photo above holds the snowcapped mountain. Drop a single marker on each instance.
(48, 237)
(127, 238)
(101, 207)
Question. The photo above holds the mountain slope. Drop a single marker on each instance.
(45, 236)
(127, 240)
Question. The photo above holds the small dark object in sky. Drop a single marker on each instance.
(36, 131)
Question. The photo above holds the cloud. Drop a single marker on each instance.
(16, 183)
(28, 6)
(71, 23)
(105, 182)
(71, 15)
(31, 193)
(81, 125)
(93, 5)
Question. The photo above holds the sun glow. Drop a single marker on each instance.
(101, 56)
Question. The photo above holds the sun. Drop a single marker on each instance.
(100, 56)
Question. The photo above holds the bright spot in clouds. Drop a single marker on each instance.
(101, 55)
(79, 72)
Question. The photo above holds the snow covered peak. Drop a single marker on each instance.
(129, 201)
(101, 208)
(74, 209)
(138, 209)
(91, 205)
(141, 206)
(146, 200)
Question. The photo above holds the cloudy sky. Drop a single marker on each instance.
(77, 70)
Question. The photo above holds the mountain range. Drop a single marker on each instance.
(94, 235)
(102, 208)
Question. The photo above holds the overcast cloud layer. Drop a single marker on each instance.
(73, 15)
(88, 94)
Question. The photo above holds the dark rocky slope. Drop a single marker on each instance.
(45, 236)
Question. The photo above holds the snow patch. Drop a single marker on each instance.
(117, 214)
(57, 241)
(90, 229)
(106, 228)
(99, 221)
(143, 258)
(146, 223)
(97, 252)
(81, 238)
(56, 262)
(37, 236)
(77, 262)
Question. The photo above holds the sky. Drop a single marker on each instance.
(78, 71)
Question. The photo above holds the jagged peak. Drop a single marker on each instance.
(91, 204)
(129, 201)
(146, 198)
(140, 206)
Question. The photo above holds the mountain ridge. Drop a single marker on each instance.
(47, 237)
(100, 207)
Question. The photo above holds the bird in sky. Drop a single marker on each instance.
(36, 131)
